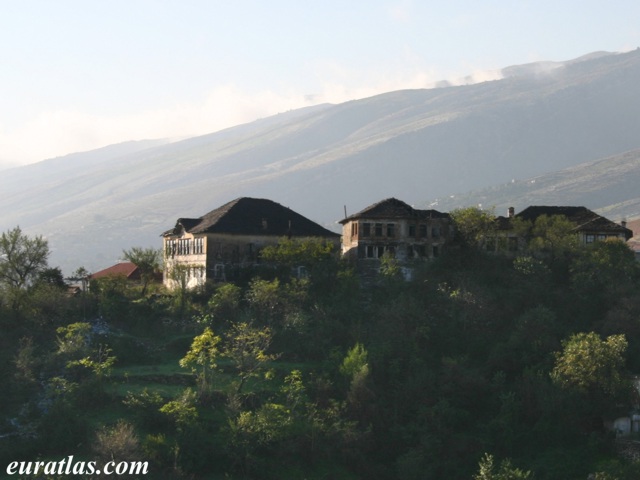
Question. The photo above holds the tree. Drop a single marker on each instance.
(355, 361)
(22, 258)
(265, 298)
(117, 443)
(203, 353)
(293, 252)
(359, 396)
(74, 339)
(474, 225)
(553, 234)
(605, 267)
(487, 471)
(147, 260)
(591, 365)
(224, 305)
(51, 277)
(179, 274)
(246, 346)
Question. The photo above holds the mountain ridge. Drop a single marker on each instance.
(411, 144)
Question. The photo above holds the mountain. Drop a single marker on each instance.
(608, 185)
(412, 144)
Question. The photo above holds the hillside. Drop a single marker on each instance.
(415, 145)
(609, 185)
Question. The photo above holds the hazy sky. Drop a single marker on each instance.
(80, 74)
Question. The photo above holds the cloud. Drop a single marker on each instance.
(401, 11)
(59, 132)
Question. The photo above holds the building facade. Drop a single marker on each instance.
(230, 237)
(397, 228)
(589, 226)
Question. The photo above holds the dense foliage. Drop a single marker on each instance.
(482, 366)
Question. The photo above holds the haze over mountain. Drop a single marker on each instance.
(609, 185)
(416, 145)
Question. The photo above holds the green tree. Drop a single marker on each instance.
(553, 234)
(73, 339)
(148, 261)
(293, 252)
(506, 471)
(246, 346)
(224, 304)
(265, 298)
(51, 277)
(474, 225)
(203, 355)
(606, 267)
(359, 396)
(22, 258)
(179, 274)
(590, 364)
(355, 361)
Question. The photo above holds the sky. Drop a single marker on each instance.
(76, 75)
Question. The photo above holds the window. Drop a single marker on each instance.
(366, 229)
(171, 248)
(590, 238)
(198, 245)
(184, 246)
(435, 232)
(379, 251)
(422, 250)
(423, 231)
(602, 237)
(378, 229)
(409, 251)
(370, 251)
(436, 250)
(412, 230)
(391, 230)
(354, 229)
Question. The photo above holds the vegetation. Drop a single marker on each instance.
(482, 366)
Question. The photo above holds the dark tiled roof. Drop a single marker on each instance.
(253, 216)
(584, 219)
(394, 208)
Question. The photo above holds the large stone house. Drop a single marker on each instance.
(395, 227)
(589, 226)
(212, 246)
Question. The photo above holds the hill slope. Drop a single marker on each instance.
(414, 145)
(609, 185)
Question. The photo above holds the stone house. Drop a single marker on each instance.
(215, 245)
(397, 228)
(589, 226)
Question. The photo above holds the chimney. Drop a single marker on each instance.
(510, 212)
(624, 222)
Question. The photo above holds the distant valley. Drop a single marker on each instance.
(547, 133)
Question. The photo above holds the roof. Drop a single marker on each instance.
(127, 269)
(393, 208)
(252, 216)
(585, 219)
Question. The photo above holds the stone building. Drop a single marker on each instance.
(589, 226)
(397, 228)
(216, 244)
